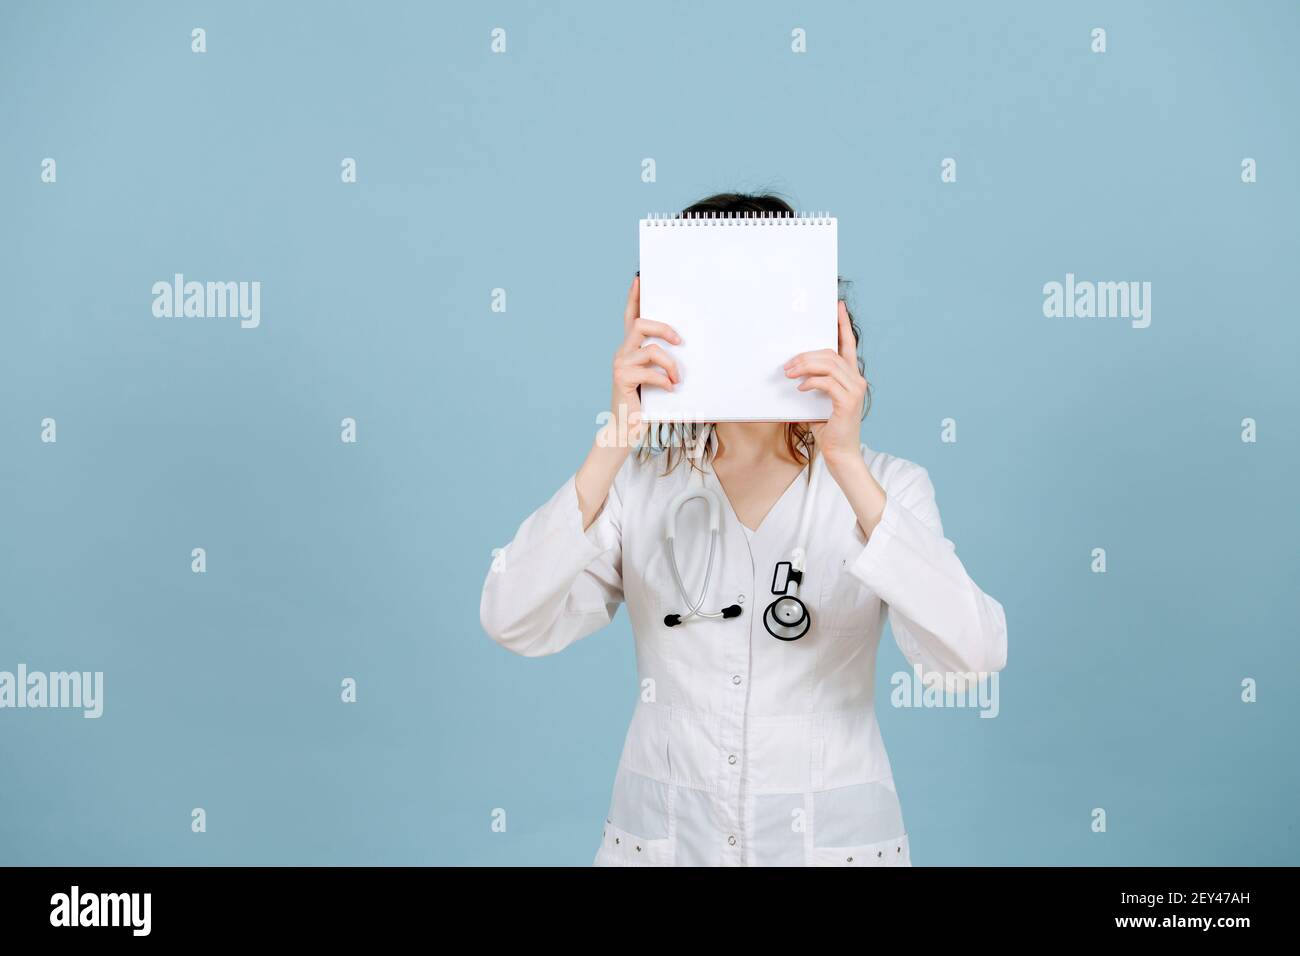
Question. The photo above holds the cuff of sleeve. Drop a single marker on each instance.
(873, 557)
(567, 514)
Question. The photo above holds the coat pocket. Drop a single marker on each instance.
(637, 831)
(885, 853)
(618, 847)
(848, 607)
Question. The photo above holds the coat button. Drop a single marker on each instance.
(731, 840)
(849, 860)
(731, 759)
(735, 678)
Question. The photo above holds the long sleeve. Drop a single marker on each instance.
(554, 584)
(941, 620)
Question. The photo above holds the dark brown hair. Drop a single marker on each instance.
(675, 439)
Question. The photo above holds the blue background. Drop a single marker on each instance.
(522, 171)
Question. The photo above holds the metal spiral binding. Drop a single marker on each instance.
(739, 219)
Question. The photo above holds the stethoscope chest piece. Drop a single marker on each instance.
(786, 618)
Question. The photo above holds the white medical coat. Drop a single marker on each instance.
(743, 749)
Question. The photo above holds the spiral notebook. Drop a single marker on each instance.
(746, 293)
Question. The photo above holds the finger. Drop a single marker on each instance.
(829, 355)
(632, 311)
(828, 384)
(824, 362)
(653, 353)
(645, 375)
(848, 341)
(660, 330)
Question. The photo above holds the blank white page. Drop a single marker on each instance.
(746, 295)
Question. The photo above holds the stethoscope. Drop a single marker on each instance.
(786, 618)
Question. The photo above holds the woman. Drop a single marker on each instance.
(745, 750)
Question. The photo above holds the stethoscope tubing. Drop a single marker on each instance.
(693, 608)
(798, 557)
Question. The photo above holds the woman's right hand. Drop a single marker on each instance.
(637, 364)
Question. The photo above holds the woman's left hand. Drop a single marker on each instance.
(836, 374)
